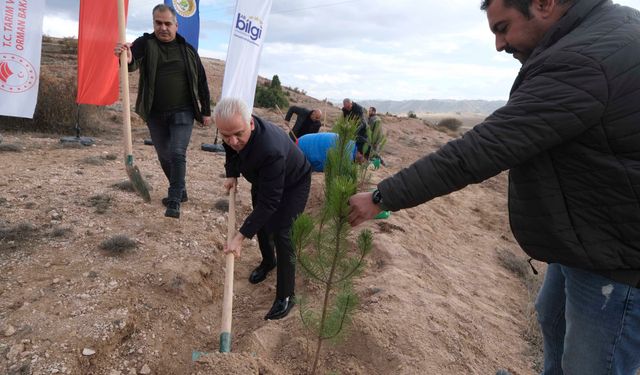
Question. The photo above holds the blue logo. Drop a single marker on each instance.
(249, 26)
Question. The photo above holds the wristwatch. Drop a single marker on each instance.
(376, 197)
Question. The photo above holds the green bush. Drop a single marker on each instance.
(412, 114)
(271, 95)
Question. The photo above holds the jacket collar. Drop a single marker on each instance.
(575, 15)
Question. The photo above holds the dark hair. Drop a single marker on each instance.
(521, 5)
(373, 109)
(164, 8)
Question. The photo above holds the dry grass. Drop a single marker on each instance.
(519, 266)
(11, 236)
(10, 147)
(101, 202)
(118, 244)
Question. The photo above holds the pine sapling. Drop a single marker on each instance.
(324, 254)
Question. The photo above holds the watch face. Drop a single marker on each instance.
(376, 197)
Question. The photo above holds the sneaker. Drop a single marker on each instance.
(503, 372)
(185, 198)
(173, 210)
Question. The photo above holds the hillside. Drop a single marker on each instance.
(435, 298)
(402, 107)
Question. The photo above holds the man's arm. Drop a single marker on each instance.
(299, 111)
(271, 178)
(556, 105)
(203, 89)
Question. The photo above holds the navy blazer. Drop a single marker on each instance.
(273, 164)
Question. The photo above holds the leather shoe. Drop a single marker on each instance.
(280, 308)
(260, 273)
(185, 198)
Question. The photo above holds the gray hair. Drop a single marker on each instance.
(164, 8)
(229, 107)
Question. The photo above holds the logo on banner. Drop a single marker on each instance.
(251, 26)
(16, 73)
(185, 8)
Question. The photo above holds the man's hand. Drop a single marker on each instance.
(235, 246)
(206, 121)
(362, 208)
(230, 183)
(123, 47)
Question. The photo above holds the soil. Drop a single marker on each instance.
(434, 299)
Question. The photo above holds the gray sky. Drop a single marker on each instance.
(363, 49)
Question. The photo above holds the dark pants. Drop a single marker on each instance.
(278, 234)
(171, 133)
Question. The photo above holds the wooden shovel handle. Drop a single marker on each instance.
(124, 83)
(227, 300)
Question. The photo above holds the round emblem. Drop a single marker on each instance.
(16, 73)
(185, 8)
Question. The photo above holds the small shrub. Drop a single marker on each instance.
(12, 236)
(94, 160)
(450, 123)
(125, 185)
(60, 232)
(101, 202)
(118, 244)
(9, 147)
(222, 205)
(412, 114)
(111, 157)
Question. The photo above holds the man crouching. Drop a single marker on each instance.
(280, 178)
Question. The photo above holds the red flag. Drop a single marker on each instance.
(97, 65)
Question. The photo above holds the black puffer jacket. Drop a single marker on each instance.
(570, 134)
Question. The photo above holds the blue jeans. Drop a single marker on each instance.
(590, 324)
(171, 133)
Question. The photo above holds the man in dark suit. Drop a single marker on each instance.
(280, 178)
(307, 121)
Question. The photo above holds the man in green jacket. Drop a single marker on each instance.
(172, 92)
(570, 137)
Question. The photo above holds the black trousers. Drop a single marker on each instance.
(171, 133)
(277, 234)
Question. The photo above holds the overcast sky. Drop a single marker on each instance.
(363, 49)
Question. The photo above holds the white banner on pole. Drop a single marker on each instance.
(20, 46)
(248, 31)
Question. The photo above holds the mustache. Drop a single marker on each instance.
(510, 50)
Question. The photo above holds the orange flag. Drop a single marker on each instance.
(97, 65)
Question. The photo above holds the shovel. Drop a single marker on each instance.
(227, 299)
(286, 123)
(133, 172)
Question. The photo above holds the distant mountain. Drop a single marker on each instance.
(402, 107)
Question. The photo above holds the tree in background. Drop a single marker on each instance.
(271, 95)
(324, 254)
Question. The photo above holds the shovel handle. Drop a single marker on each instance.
(227, 299)
(124, 85)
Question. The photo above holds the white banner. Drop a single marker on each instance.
(248, 31)
(20, 45)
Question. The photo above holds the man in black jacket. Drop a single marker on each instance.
(570, 136)
(354, 111)
(172, 82)
(280, 178)
(307, 121)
